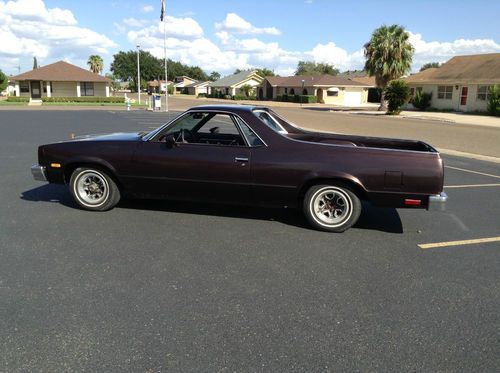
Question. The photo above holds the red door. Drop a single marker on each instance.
(463, 96)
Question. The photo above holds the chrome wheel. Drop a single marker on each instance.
(91, 188)
(331, 206)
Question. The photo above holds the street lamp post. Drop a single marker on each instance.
(303, 81)
(138, 75)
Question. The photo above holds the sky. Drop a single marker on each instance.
(224, 35)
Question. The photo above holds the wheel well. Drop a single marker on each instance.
(358, 190)
(70, 168)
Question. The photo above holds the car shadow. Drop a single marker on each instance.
(372, 218)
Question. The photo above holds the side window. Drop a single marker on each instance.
(205, 128)
(252, 138)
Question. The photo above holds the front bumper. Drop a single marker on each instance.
(39, 172)
(438, 202)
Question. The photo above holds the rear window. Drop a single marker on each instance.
(269, 121)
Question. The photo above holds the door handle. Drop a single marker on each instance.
(240, 159)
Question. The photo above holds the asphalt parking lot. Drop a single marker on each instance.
(162, 286)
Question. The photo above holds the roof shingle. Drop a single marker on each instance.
(61, 72)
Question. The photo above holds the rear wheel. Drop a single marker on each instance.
(93, 189)
(331, 208)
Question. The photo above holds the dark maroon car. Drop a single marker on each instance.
(247, 155)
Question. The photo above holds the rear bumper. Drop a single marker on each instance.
(438, 202)
(38, 172)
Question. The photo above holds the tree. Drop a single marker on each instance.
(115, 83)
(246, 89)
(429, 65)
(313, 68)
(95, 63)
(214, 75)
(388, 56)
(421, 100)
(4, 81)
(398, 94)
(494, 100)
(124, 67)
(263, 72)
(35, 63)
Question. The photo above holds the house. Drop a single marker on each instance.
(197, 88)
(231, 85)
(461, 84)
(155, 86)
(181, 82)
(363, 77)
(60, 79)
(328, 89)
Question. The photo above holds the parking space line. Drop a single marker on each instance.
(472, 172)
(471, 186)
(459, 243)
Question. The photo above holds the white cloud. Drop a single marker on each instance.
(233, 23)
(28, 28)
(135, 23)
(147, 8)
(435, 51)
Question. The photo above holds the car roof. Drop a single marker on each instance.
(231, 108)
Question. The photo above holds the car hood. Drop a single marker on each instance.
(118, 136)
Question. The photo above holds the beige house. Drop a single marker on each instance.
(155, 86)
(181, 82)
(60, 79)
(230, 85)
(197, 88)
(328, 89)
(460, 84)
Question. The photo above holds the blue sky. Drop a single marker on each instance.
(224, 35)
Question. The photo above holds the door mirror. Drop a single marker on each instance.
(170, 141)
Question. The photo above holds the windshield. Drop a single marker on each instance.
(269, 121)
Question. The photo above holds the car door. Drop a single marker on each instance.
(214, 167)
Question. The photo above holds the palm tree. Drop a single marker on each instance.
(95, 63)
(388, 56)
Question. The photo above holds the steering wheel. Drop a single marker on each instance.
(185, 135)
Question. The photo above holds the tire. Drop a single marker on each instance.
(322, 215)
(93, 189)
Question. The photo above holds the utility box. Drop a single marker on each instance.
(156, 102)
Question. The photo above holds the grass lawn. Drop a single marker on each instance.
(6, 103)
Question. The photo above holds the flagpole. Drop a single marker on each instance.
(165, 54)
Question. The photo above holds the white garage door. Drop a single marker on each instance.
(352, 98)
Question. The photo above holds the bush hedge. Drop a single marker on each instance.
(304, 99)
(91, 99)
(421, 100)
(494, 100)
(17, 99)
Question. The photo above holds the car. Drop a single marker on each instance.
(247, 155)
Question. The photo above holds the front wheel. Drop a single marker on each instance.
(331, 208)
(93, 189)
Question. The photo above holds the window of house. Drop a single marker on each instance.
(24, 86)
(332, 93)
(86, 89)
(483, 93)
(292, 92)
(445, 92)
(286, 91)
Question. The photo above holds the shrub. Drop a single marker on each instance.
(202, 95)
(91, 99)
(308, 99)
(17, 99)
(227, 97)
(398, 94)
(422, 100)
(240, 97)
(494, 100)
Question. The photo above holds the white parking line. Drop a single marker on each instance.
(459, 243)
(472, 172)
(471, 186)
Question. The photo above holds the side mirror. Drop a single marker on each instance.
(170, 141)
